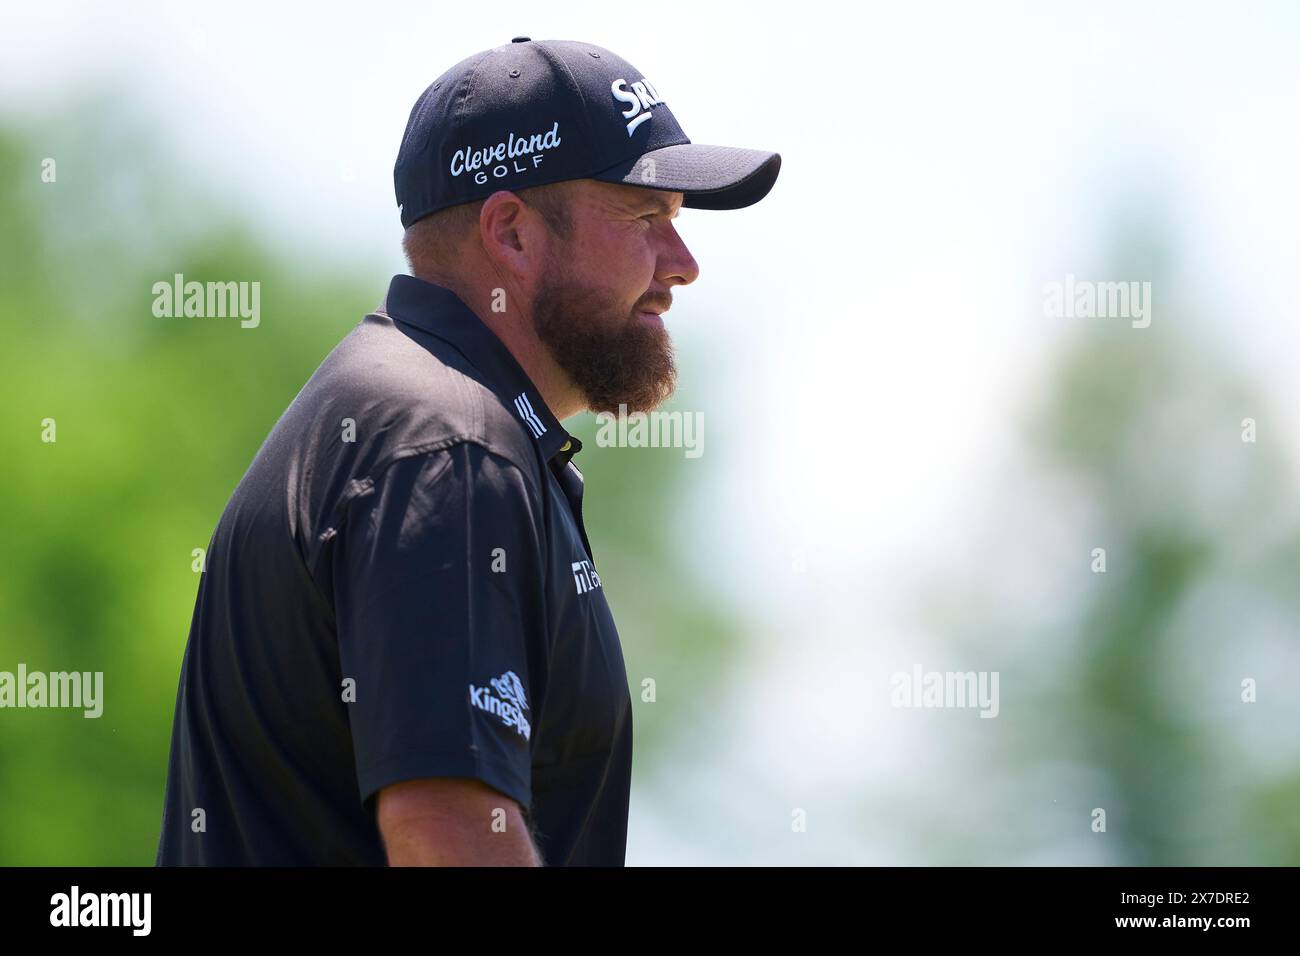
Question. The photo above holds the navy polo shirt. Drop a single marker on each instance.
(401, 587)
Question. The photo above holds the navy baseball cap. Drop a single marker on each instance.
(541, 111)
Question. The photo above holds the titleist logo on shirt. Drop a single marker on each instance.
(585, 577)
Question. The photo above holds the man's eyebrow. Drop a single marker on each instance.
(658, 204)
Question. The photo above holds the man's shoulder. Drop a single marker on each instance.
(378, 399)
(391, 394)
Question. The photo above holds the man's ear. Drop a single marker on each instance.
(513, 235)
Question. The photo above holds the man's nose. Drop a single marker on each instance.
(676, 264)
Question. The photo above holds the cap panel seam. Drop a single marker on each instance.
(471, 78)
(557, 63)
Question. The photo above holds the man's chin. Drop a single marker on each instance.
(655, 385)
(624, 363)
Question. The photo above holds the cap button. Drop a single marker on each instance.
(521, 39)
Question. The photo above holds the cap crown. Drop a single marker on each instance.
(524, 114)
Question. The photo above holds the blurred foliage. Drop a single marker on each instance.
(156, 421)
(1122, 690)
(1195, 522)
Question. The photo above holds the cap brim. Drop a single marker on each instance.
(710, 177)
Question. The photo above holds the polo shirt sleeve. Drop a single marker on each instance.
(439, 597)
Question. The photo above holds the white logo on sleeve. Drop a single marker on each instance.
(504, 698)
(585, 577)
(639, 99)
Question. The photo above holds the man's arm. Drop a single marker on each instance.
(449, 821)
(439, 578)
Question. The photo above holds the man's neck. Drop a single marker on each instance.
(515, 330)
(557, 390)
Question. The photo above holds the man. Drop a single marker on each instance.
(401, 650)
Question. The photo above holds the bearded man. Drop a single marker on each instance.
(401, 652)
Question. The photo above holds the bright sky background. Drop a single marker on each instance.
(872, 332)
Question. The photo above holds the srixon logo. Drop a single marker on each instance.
(639, 99)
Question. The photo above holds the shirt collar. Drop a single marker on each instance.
(440, 312)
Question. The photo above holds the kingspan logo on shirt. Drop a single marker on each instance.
(504, 697)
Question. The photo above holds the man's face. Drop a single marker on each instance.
(597, 303)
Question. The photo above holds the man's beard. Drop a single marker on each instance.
(613, 357)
